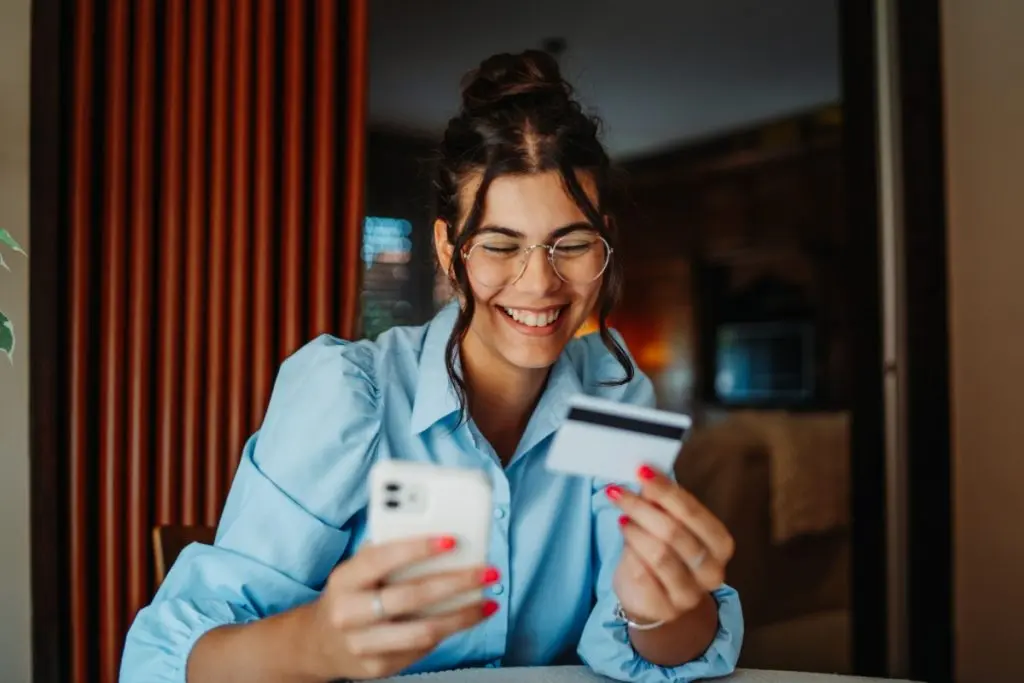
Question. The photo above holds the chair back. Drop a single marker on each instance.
(170, 539)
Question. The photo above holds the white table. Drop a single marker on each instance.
(579, 674)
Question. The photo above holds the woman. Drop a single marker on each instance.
(627, 576)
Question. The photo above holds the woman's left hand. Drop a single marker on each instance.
(675, 550)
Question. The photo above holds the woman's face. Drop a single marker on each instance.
(527, 321)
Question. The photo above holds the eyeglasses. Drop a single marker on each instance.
(577, 258)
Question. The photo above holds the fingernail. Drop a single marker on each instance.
(444, 543)
(489, 576)
(489, 607)
(623, 520)
(614, 492)
(646, 473)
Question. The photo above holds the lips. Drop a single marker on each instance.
(533, 318)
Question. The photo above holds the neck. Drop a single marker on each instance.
(501, 397)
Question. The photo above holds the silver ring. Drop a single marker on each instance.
(696, 561)
(378, 607)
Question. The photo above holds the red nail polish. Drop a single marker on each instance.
(623, 520)
(489, 608)
(646, 473)
(614, 492)
(444, 543)
(489, 576)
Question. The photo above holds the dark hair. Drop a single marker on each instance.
(519, 117)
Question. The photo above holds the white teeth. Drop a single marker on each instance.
(533, 319)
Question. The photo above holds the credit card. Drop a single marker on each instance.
(611, 440)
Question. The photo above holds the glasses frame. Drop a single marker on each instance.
(550, 249)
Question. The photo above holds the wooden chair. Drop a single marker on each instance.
(169, 540)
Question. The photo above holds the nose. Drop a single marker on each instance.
(538, 275)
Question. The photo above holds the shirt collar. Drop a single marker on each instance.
(553, 407)
(436, 398)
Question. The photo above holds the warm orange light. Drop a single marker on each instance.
(655, 355)
(589, 326)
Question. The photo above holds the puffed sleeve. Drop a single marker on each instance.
(604, 645)
(287, 519)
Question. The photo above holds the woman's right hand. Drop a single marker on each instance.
(364, 629)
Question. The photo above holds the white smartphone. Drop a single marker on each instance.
(415, 499)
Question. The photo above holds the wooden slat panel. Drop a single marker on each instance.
(239, 338)
(292, 191)
(169, 337)
(213, 254)
(213, 486)
(79, 345)
(195, 258)
(355, 165)
(263, 354)
(112, 319)
(140, 321)
(321, 253)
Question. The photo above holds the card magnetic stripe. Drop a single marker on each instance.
(631, 424)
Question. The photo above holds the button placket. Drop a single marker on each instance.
(499, 623)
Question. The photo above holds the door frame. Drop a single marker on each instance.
(902, 583)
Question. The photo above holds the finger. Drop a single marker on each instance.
(657, 522)
(410, 597)
(374, 563)
(676, 580)
(685, 507)
(420, 635)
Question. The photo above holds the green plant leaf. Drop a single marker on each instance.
(7, 337)
(8, 239)
(3, 264)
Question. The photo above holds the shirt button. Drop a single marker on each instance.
(498, 589)
(499, 512)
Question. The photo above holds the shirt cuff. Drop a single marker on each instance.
(605, 646)
(163, 635)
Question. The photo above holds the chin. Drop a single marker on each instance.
(529, 359)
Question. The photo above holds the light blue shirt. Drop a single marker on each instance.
(297, 508)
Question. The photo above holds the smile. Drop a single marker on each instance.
(533, 318)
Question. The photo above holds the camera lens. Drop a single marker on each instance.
(392, 504)
(392, 486)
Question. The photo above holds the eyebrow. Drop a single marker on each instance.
(553, 235)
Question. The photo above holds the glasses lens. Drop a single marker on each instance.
(494, 261)
(580, 258)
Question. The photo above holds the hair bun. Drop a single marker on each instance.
(509, 79)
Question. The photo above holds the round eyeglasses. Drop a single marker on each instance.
(576, 258)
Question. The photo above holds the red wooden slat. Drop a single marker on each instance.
(111, 396)
(263, 217)
(213, 485)
(140, 322)
(79, 453)
(169, 335)
(321, 281)
(292, 191)
(238, 329)
(195, 250)
(355, 165)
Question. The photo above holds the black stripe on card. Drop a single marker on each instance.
(630, 424)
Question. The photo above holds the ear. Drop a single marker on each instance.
(443, 248)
